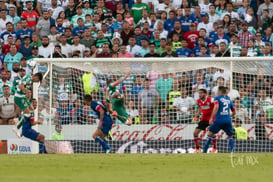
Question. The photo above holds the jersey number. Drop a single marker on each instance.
(225, 108)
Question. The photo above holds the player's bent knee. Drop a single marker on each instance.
(41, 138)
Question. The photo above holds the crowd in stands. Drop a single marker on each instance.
(138, 28)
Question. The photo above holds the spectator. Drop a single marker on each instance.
(13, 57)
(251, 49)
(146, 31)
(71, 10)
(169, 52)
(116, 39)
(4, 81)
(187, 20)
(59, 26)
(77, 46)
(263, 105)
(184, 105)
(177, 30)
(35, 54)
(164, 85)
(258, 42)
(8, 108)
(169, 23)
(240, 132)
(57, 135)
(208, 26)
(232, 29)
(267, 35)
(162, 31)
(126, 33)
(213, 17)
(199, 83)
(12, 15)
(35, 40)
(151, 50)
(156, 38)
(266, 5)
(55, 9)
(145, 18)
(26, 49)
(43, 6)
(65, 113)
(171, 96)
(220, 36)
(119, 9)
(132, 47)
(133, 112)
(223, 52)
(79, 14)
(4, 20)
(197, 50)
(241, 113)
(163, 46)
(233, 15)
(236, 47)
(220, 82)
(148, 100)
(25, 31)
(80, 28)
(137, 87)
(184, 51)
(30, 15)
(58, 52)
(6, 47)
(176, 42)
(145, 48)
(43, 25)
(105, 52)
(191, 36)
(45, 50)
(25, 66)
(101, 40)
(245, 35)
(9, 31)
(137, 9)
(205, 6)
(260, 131)
(123, 52)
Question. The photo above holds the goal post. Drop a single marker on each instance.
(163, 115)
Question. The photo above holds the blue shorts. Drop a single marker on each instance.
(31, 134)
(222, 125)
(107, 125)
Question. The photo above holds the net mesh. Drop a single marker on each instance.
(163, 109)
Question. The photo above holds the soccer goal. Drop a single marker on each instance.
(160, 98)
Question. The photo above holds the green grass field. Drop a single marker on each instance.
(138, 168)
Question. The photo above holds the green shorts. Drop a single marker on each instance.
(22, 102)
(118, 106)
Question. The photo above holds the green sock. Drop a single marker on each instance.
(21, 121)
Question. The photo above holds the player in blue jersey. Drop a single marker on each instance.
(221, 111)
(30, 133)
(105, 124)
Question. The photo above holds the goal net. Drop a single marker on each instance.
(160, 98)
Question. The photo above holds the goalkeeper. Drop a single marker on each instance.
(115, 101)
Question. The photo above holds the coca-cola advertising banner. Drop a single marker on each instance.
(135, 132)
(174, 147)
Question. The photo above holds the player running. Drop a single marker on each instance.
(205, 106)
(105, 124)
(22, 85)
(30, 133)
(115, 101)
(222, 107)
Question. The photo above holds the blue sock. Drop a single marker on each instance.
(42, 149)
(206, 147)
(231, 144)
(102, 142)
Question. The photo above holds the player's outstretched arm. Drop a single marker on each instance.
(215, 109)
(114, 84)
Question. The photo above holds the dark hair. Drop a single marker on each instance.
(39, 75)
(5, 86)
(222, 89)
(57, 125)
(8, 23)
(203, 90)
(87, 98)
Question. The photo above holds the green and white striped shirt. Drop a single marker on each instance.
(236, 50)
(27, 80)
